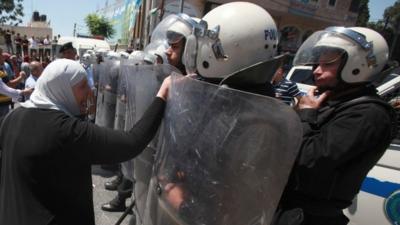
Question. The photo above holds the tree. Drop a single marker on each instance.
(392, 13)
(11, 11)
(99, 25)
(392, 27)
(389, 27)
(363, 13)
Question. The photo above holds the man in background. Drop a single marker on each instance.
(36, 70)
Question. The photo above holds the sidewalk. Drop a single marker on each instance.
(101, 196)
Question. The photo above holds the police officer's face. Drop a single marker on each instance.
(174, 52)
(325, 74)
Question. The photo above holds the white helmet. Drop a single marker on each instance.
(149, 58)
(102, 52)
(90, 52)
(173, 28)
(124, 55)
(242, 34)
(365, 52)
(158, 49)
(86, 59)
(137, 57)
(111, 55)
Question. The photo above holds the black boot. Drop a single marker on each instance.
(115, 205)
(112, 185)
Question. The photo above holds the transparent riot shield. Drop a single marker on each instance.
(225, 156)
(120, 108)
(107, 93)
(142, 85)
(96, 73)
(125, 110)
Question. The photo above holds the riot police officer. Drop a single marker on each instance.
(347, 127)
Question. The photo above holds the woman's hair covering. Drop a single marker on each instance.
(53, 89)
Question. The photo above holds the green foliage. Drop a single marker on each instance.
(389, 27)
(99, 25)
(363, 14)
(11, 11)
(392, 15)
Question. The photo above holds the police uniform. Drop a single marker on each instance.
(340, 145)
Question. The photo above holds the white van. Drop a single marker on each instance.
(82, 44)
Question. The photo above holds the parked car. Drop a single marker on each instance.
(379, 199)
(302, 76)
(389, 85)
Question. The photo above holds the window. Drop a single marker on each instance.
(290, 39)
(332, 3)
(354, 6)
(303, 76)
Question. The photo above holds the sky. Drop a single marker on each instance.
(64, 13)
(377, 8)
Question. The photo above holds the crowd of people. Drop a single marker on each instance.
(47, 148)
(42, 48)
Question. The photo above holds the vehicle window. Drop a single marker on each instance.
(303, 76)
(386, 79)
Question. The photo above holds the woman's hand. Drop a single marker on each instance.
(164, 89)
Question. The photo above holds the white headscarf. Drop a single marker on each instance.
(53, 89)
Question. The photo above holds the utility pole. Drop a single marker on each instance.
(396, 35)
(74, 29)
(181, 6)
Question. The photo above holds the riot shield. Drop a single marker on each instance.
(225, 156)
(96, 73)
(124, 111)
(143, 83)
(106, 94)
(120, 108)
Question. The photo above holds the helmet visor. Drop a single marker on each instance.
(173, 28)
(174, 37)
(322, 47)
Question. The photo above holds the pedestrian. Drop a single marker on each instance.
(54, 47)
(47, 158)
(35, 69)
(8, 40)
(346, 125)
(7, 94)
(25, 65)
(14, 80)
(18, 44)
(25, 46)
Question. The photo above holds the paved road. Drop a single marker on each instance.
(101, 195)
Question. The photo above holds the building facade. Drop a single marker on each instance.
(296, 19)
(122, 14)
